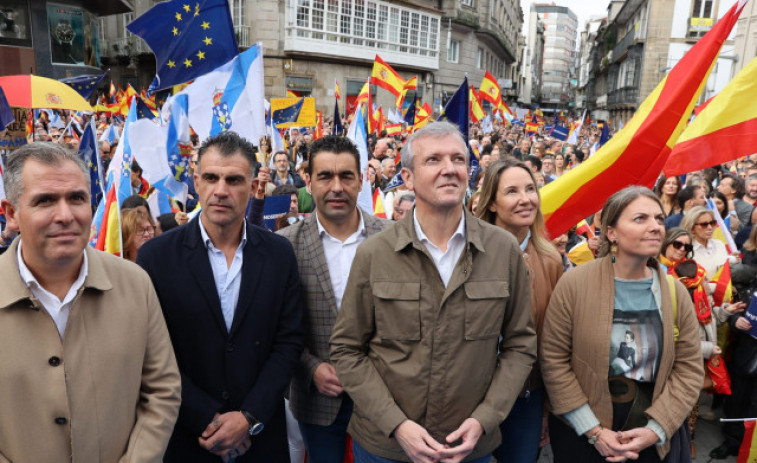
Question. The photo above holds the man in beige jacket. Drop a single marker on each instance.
(434, 338)
(87, 371)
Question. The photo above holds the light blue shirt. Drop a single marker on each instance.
(445, 261)
(228, 279)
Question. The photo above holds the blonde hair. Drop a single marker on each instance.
(692, 217)
(488, 192)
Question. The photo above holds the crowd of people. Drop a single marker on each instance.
(456, 329)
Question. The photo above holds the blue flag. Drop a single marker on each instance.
(457, 111)
(410, 113)
(338, 127)
(559, 132)
(189, 39)
(605, 135)
(84, 85)
(394, 182)
(143, 111)
(178, 150)
(91, 157)
(6, 115)
(275, 207)
(288, 114)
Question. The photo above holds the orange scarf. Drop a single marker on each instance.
(695, 286)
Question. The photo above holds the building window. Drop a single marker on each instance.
(370, 23)
(480, 58)
(453, 52)
(238, 13)
(702, 9)
(128, 17)
(468, 3)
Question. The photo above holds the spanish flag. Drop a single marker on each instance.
(476, 110)
(318, 132)
(378, 204)
(292, 94)
(385, 77)
(411, 84)
(422, 116)
(393, 129)
(337, 93)
(723, 287)
(364, 95)
(638, 152)
(748, 449)
(489, 90)
(725, 129)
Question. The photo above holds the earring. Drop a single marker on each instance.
(613, 250)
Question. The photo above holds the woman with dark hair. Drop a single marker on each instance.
(600, 411)
(726, 209)
(667, 190)
(510, 199)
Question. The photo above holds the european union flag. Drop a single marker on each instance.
(84, 85)
(90, 156)
(410, 114)
(189, 39)
(143, 111)
(288, 114)
(605, 135)
(457, 111)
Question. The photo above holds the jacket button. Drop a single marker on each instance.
(61, 420)
(54, 361)
(230, 347)
(225, 395)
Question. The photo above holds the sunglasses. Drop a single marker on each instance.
(678, 245)
(711, 223)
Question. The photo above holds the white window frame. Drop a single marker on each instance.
(453, 52)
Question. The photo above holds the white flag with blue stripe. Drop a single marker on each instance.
(232, 97)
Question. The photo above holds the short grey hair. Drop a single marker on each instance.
(43, 152)
(436, 130)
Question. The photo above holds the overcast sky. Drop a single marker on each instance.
(584, 9)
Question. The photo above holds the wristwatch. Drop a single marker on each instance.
(256, 427)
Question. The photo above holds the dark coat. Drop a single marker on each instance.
(246, 368)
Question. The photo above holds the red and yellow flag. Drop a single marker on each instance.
(489, 90)
(378, 204)
(476, 110)
(318, 132)
(748, 449)
(292, 94)
(422, 116)
(385, 77)
(724, 130)
(337, 93)
(411, 84)
(638, 152)
(364, 95)
(393, 129)
(723, 287)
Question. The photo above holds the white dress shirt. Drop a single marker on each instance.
(228, 279)
(445, 261)
(58, 309)
(339, 256)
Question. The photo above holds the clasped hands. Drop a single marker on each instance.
(227, 436)
(422, 448)
(622, 445)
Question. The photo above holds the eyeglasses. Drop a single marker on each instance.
(711, 223)
(678, 245)
(146, 231)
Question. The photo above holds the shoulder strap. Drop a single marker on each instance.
(674, 297)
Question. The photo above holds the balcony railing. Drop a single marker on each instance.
(243, 36)
(627, 41)
(625, 95)
(127, 46)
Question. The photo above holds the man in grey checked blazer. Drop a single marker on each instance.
(325, 244)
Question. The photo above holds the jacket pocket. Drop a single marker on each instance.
(398, 310)
(485, 308)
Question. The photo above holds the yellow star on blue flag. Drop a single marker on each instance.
(84, 85)
(176, 36)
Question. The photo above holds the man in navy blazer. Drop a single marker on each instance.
(230, 293)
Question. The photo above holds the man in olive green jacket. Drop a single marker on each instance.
(434, 338)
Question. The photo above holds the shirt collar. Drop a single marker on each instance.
(459, 231)
(209, 243)
(709, 247)
(524, 243)
(30, 280)
(321, 230)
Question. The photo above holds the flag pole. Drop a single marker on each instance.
(736, 420)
